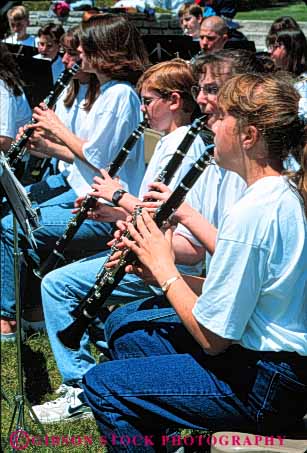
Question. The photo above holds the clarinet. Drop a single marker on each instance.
(88, 203)
(172, 166)
(18, 148)
(108, 280)
(166, 175)
(174, 163)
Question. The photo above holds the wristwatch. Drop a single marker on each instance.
(117, 195)
(166, 285)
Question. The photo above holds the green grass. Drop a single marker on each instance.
(41, 378)
(298, 11)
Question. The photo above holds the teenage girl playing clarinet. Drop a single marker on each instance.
(111, 119)
(234, 354)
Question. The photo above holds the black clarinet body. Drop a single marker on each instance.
(174, 163)
(57, 254)
(18, 148)
(165, 176)
(108, 280)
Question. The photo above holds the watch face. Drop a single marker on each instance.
(118, 195)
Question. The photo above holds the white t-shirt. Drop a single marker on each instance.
(31, 40)
(213, 194)
(164, 150)
(301, 87)
(73, 117)
(256, 289)
(111, 120)
(14, 111)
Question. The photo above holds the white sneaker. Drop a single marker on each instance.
(63, 388)
(68, 407)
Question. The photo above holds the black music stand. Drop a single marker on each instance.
(35, 72)
(28, 220)
(167, 47)
(20, 50)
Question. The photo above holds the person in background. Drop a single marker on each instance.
(49, 47)
(18, 18)
(241, 333)
(283, 23)
(213, 34)
(14, 107)
(223, 8)
(190, 17)
(288, 50)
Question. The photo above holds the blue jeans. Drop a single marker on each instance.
(62, 291)
(161, 378)
(55, 214)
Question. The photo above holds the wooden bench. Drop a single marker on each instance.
(151, 138)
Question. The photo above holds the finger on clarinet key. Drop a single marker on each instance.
(43, 106)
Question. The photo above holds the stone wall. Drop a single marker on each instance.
(161, 24)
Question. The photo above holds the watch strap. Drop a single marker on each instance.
(117, 195)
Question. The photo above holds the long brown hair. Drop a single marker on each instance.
(9, 71)
(114, 47)
(295, 43)
(270, 103)
(70, 40)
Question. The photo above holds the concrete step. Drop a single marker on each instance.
(263, 26)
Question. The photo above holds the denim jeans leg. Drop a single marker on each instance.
(51, 187)
(62, 291)
(55, 214)
(139, 397)
(149, 327)
(278, 397)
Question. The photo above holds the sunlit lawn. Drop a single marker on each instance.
(298, 11)
(41, 378)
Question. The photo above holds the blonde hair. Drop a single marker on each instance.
(18, 13)
(168, 77)
(270, 103)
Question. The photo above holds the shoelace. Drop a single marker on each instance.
(62, 389)
(68, 397)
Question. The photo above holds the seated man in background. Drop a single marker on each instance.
(213, 34)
